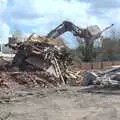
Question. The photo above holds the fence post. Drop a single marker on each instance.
(112, 63)
(80, 65)
(91, 65)
(101, 65)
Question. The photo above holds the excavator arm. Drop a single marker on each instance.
(64, 27)
(89, 34)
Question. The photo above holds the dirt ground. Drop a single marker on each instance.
(58, 104)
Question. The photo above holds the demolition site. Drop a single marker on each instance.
(42, 81)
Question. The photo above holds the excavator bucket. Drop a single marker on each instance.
(94, 30)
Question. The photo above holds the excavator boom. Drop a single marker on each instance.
(64, 27)
(89, 34)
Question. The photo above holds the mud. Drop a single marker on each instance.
(67, 103)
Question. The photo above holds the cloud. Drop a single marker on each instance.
(4, 32)
(107, 10)
(37, 12)
(42, 16)
(3, 4)
(4, 28)
(42, 13)
(107, 4)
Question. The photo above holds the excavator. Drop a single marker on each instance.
(89, 34)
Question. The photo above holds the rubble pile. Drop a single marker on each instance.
(43, 61)
(106, 78)
(3, 63)
(6, 80)
(33, 79)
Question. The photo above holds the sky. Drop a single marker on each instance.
(41, 16)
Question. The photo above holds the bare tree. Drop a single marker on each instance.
(114, 34)
(17, 34)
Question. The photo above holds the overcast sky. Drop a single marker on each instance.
(41, 16)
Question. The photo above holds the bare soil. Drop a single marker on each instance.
(67, 103)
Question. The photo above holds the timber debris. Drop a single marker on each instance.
(43, 61)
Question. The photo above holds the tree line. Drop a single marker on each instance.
(109, 51)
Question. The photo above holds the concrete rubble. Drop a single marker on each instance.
(106, 78)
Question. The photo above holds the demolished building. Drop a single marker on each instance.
(44, 57)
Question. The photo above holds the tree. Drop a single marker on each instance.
(114, 34)
(17, 34)
(111, 46)
(88, 52)
(110, 50)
